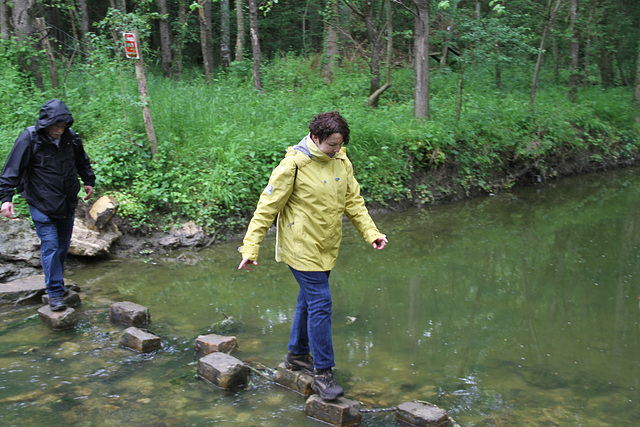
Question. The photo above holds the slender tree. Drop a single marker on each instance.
(225, 34)
(543, 42)
(84, 18)
(240, 33)
(4, 20)
(421, 60)
(366, 13)
(206, 35)
(22, 20)
(331, 46)
(574, 48)
(255, 44)
(637, 86)
(181, 33)
(165, 37)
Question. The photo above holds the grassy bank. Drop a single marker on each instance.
(219, 142)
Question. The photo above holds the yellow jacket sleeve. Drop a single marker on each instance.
(272, 200)
(356, 210)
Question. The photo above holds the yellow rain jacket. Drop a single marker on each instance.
(310, 192)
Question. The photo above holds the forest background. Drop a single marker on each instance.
(445, 99)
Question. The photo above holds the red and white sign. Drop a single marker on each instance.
(131, 45)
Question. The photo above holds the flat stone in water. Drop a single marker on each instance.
(419, 414)
(129, 313)
(294, 380)
(140, 340)
(223, 370)
(58, 320)
(339, 412)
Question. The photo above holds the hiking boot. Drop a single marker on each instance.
(299, 362)
(324, 384)
(57, 303)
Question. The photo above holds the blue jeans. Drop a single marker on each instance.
(311, 327)
(55, 239)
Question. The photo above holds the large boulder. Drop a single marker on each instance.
(88, 242)
(19, 249)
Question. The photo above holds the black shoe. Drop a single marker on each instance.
(57, 303)
(324, 384)
(299, 362)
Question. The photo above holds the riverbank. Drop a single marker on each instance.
(433, 188)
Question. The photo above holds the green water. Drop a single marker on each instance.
(516, 309)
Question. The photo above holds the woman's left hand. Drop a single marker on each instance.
(380, 243)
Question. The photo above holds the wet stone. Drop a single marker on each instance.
(58, 320)
(223, 370)
(72, 299)
(140, 340)
(129, 313)
(419, 414)
(294, 380)
(339, 412)
(206, 344)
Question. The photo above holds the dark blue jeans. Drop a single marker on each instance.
(55, 239)
(311, 327)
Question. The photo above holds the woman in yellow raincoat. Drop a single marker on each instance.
(310, 190)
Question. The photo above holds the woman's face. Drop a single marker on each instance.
(331, 145)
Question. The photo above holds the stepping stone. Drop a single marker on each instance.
(206, 344)
(140, 340)
(419, 414)
(58, 320)
(339, 412)
(129, 313)
(223, 370)
(297, 381)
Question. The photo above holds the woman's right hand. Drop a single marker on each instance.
(246, 264)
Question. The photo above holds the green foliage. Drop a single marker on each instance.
(219, 142)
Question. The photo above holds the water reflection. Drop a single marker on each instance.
(515, 309)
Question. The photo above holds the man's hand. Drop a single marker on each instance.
(89, 190)
(8, 210)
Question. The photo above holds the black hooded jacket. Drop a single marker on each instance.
(48, 173)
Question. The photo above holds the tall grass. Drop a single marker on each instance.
(218, 142)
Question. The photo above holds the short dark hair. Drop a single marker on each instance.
(326, 124)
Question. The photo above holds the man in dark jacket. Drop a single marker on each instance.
(44, 165)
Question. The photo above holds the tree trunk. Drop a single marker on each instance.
(165, 37)
(240, 32)
(331, 46)
(587, 50)
(179, 40)
(166, 41)
(144, 98)
(23, 23)
(543, 42)
(206, 37)
(4, 20)
(225, 34)
(374, 43)
(574, 48)
(255, 43)
(421, 62)
(637, 88)
(84, 19)
(43, 34)
(459, 95)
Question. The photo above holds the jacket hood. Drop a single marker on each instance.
(307, 147)
(54, 111)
